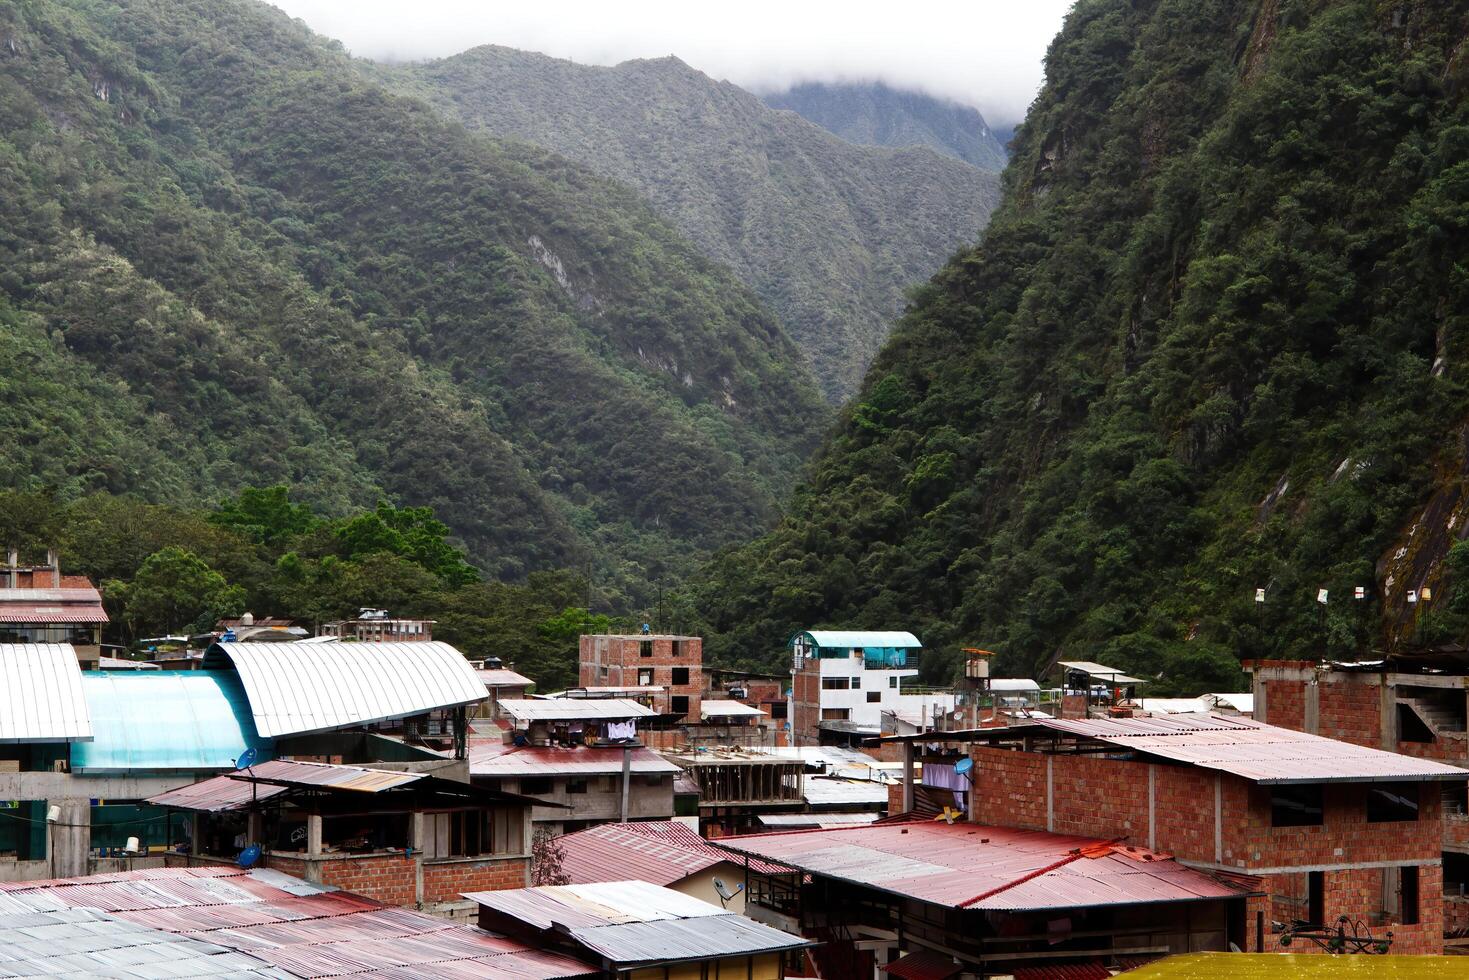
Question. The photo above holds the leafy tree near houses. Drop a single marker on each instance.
(174, 589)
(546, 857)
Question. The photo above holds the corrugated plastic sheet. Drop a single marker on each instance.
(296, 688)
(1252, 750)
(727, 709)
(499, 760)
(574, 709)
(952, 865)
(165, 719)
(268, 930)
(331, 776)
(41, 697)
(925, 964)
(657, 851)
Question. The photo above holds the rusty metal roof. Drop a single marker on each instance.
(499, 760)
(1251, 750)
(216, 795)
(966, 865)
(657, 851)
(51, 612)
(203, 920)
(41, 696)
(925, 964)
(238, 790)
(636, 922)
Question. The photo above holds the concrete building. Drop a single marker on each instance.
(640, 931)
(40, 605)
(843, 681)
(674, 663)
(1325, 831)
(376, 626)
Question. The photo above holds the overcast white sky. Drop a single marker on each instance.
(986, 53)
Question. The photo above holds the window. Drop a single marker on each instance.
(1408, 895)
(535, 785)
(835, 714)
(680, 675)
(1296, 806)
(835, 683)
(645, 676)
(893, 681)
(777, 709)
(1389, 802)
(679, 704)
(645, 648)
(576, 786)
(1316, 898)
(874, 697)
(676, 648)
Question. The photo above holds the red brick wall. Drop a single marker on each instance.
(806, 707)
(1285, 704)
(1350, 709)
(1456, 915)
(622, 655)
(1073, 706)
(1345, 837)
(445, 881)
(390, 879)
(1009, 789)
(1100, 798)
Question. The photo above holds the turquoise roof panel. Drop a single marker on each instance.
(851, 639)
(187, 720)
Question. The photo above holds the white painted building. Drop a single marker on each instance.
(845, 681)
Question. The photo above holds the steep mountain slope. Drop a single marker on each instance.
(228, 259)
(1213, 340)
(829, 234)
(875, 114)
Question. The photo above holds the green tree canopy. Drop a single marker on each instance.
(175, 590)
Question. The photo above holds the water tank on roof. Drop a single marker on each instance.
(493, 663)
(248, 619)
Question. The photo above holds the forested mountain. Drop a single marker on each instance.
(1213, 340)
(876, 114)
(226, 258)
(830, 235)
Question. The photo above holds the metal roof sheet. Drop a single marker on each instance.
(41, 696)
(43, 612)
(672, 940)
(1251, 750)
(847, 639)
(575, 709)
(503, 677)
(841, 791)
(1092, 669)
(165, 719)
(262, 929)
(925, 964)
(296, 688)
(727, 709)
(594, 904)
(1297, 966)
(965, 865)
(499, 760)
(790, 820)
(657, 851)
(1244, 703)
(64, 594)
(216, 795)
(237, 791)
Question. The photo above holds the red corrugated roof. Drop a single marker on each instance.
(314, 935)
(12, 611)
(925, 964)
(1068, 971)
(494, 758)
(658, 851)
(966, 865)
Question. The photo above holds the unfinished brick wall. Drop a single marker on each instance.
(1286, 704)
(389, 878)
(618, 661)
(1358, 894)
(445, 881)
(1351, 709)
(806, 704)
(1009, 789)
(1101, 798)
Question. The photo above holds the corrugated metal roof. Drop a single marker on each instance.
(1244, 703)
(847, 639)
(1251, 750)
(727, 709)
(165, 719)
(236, 791)
(41, 696)
(264, 929)
(660, 852)
(64, 594)
(296, 688)
(973, 866)
(503, 677)
(840, 791)
(216, 795)
(42, 612)
(787, 821)
(575, 709)
(630, 922)
(1110, 674)
(925, 964)
(499, 760)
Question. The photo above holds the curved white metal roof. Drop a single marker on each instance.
(296, 688)
(41, 694)
(843, 639)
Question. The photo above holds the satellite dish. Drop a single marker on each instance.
(963, 766)
(725, 894)
(247, 759)
(249, 857)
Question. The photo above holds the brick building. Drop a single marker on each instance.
(1322, 829)
(40, 605)
(675, 663)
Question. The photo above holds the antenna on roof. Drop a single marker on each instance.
(725, 894)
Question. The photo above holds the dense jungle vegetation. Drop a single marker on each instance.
(1213, 340)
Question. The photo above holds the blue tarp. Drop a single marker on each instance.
(166, 719)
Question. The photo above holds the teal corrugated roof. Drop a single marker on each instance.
(847, 639)
(166, 719)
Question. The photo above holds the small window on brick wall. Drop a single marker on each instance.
(645, 676)
(1391, 802)
(645, 648)
(1408, 895)
(1296, 806)
(680, 675)
(679, 704)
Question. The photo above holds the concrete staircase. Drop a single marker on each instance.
(1442, 720)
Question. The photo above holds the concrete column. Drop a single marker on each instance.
(70, 838)
(1312, 720)
(417, 831)
(1258, 686)
(313, 835)
(1051, 793)
(626, 778)
(1152, 807)
(1218, 820)
(255, 828)
(908, 753)
(1388, 706)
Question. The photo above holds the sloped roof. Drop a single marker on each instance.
(503, 677)
(296, 688)
(713, 708)
(77, 601)
(219, 921)
(971, 866)
(1110, 674)
(657, 851)
(41, 697)
(574, 709)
